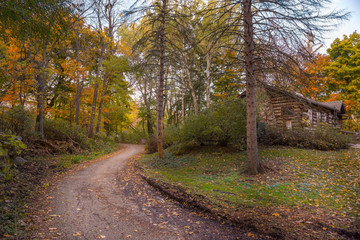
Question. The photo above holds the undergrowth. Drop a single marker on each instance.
(292, 178)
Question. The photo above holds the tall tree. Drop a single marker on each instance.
(313, 81)
(272, 32)
(343, 70)
(160, 93)
(55, 19)
(249, 58)
(154, 40)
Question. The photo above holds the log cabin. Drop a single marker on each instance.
(288, 110)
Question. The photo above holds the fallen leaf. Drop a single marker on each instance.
(251, 235)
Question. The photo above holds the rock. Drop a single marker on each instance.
(20, 160)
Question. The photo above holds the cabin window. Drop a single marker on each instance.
(319, 116)
(310, 115)
(287, 111)
(325, 117)
(288, 125)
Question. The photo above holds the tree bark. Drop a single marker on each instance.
(147, 99)
(79, 80)
(79, 88)
(93, 109)
(251, 134)
(160, 94)
(41, 78)
(41, 93)
(99, 113)
(208, 80)
(182, 94)
(96, 89)
(192, 91)
(105, 85)
(149, 122)
(22, 79)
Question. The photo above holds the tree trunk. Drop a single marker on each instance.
(93, 109)
(105, 84)
(160, 94)
(166, 94)
(96, 89)
(251, 135)
(22, 78)
(182, 94)
(41, 93)
(208, 80)
(149, 123)
(79, 82)
(99, 114)
(79, 88)
(71, 108)
(192, 90)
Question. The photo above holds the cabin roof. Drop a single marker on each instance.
(337, 106)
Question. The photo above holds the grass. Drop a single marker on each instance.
(297, 178)
(65, 161)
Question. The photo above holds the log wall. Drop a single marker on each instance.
(289, 112)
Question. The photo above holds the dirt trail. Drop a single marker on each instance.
(107, 200)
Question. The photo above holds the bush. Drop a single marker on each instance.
(58, 129)
(75, 135)
(223, 124)
(131, 136)
(352, 125)
(18, 121)
(322, 138)
(10, 147)
(151, 145)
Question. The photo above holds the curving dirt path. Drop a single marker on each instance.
(108, 200)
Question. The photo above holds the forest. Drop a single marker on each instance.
(80, 76)
(100, 66)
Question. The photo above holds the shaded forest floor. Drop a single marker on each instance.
(301, 194)
(28, 179)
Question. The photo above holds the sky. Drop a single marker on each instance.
(347, 27)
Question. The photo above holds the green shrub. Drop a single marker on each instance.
(352, 125)
(61, 130)
(322, 138)
(10, 147)
(18, 121)
(131, 136)
(223, 124)
(151, 145)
